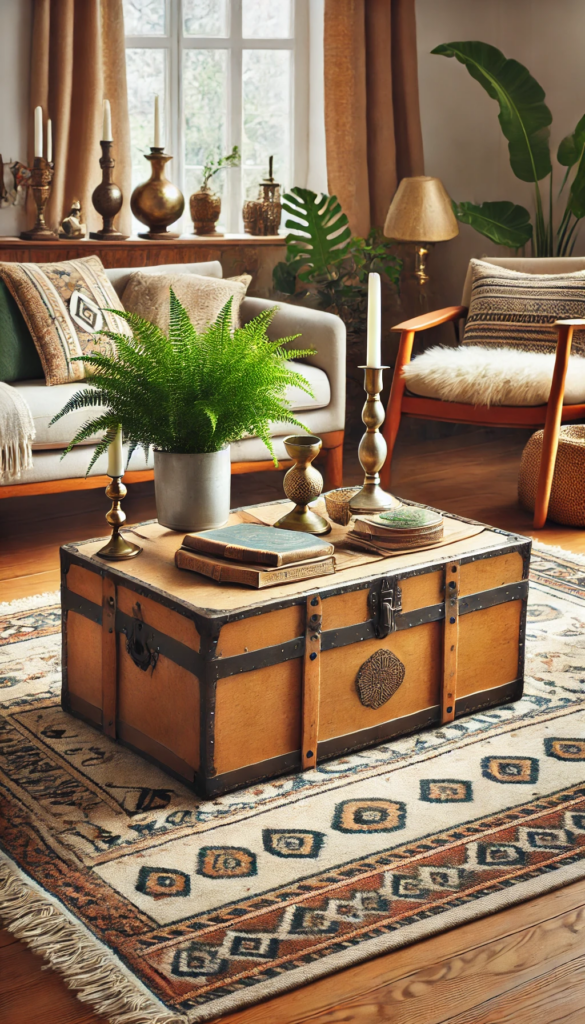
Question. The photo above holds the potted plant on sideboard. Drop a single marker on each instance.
(205, 205)
(189, 395)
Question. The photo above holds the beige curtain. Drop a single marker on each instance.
(372, 119)
(77, 61)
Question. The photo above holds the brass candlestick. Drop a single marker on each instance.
(157, 202)
(107, 198)
(302, 484)
(41, 176)
(372, 450)
(117, 547)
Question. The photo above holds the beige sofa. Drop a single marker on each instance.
(324, 414)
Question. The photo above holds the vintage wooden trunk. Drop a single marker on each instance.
(223, 686)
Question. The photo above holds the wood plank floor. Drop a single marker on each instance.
(525, 965)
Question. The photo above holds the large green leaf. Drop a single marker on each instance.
(524, 116)
(320, 232)
(571, 151)
(505, 223)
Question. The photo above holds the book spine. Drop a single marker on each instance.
(251, 577)
(234, 552)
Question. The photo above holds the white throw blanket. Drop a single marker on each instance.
(17, 432)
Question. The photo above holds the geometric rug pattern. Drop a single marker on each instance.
(157, 904)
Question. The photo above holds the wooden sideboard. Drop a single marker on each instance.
(238, 254)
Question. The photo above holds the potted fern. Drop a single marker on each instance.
(189, 395)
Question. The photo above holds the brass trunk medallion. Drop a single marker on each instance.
(379, 678)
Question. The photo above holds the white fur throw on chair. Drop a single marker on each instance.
(476, 375)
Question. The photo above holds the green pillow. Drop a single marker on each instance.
(19, 359)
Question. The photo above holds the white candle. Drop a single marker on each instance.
(107, 125)
(49, 141)
(157, 142)
(38, 131)
(374, 350)
(116, 455)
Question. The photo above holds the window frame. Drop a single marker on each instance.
(175, 43)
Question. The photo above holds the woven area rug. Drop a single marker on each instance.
(158, 907)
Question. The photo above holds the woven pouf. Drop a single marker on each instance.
(567, 496)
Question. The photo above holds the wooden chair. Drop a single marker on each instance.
(549, 416)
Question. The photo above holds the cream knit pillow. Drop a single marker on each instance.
(148, 295)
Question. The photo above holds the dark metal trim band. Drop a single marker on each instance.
(163, 644)
(490, 598)
(72, 602)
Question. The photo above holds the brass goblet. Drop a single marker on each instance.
(302, 484)
(372, 450)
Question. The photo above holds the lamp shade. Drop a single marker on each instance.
(421, 211)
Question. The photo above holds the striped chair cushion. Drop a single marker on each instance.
(517, 310)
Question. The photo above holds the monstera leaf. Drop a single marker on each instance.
(320, 232)
(571, 152)
(504, 223)
(524, 116)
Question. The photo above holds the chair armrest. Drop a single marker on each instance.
(426, 320)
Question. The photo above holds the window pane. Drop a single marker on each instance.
(145, 17)
(145, 71)
(266, 90)
(266, 19)
(205, 17)
(205, 105)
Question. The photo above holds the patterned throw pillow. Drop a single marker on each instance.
(148, 295)
(517, 310)
(64, 306)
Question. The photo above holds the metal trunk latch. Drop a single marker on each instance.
(138, 642)
(385, 605)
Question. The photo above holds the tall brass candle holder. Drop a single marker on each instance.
(107, 198)
(117, 548)
(41, 176)
(372, 450)
(157, 202)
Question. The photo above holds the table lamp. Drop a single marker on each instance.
(421, 212)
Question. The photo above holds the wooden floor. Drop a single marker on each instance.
(525, 965)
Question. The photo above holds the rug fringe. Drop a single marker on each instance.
(554, 549)
(96, 977)
(29, 604)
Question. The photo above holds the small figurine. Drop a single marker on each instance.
(72, 226)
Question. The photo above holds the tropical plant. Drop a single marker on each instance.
(525, 119)
(188, 392)
(214, 163)
(325, 265)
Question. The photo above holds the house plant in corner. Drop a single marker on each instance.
(189, 396)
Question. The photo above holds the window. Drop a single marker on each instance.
(228, 72)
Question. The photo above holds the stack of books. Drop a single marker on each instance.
(257, 556)
(401, 529)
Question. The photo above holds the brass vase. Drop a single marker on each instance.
(205, 207)
(302, 484)
(157, 202)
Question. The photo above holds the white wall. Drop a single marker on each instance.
(463, 142)
(15, 31)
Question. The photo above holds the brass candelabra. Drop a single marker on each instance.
(372, 449)
(117, 548)
(107, 198)
(41, 176)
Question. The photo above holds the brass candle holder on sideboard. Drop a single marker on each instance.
(107, 198)
(157, 202)
(41, 176)
(372, 448)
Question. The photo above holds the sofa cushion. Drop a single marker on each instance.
(119, 276)
(64, 306)
(148, 295)
(45, 402)
(19, 359)
(516, 310)
(476, 375)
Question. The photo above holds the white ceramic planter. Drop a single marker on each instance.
(192, 492)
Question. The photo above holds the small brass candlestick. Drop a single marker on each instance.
(117, 547)
(372, 450)
(302, 484)
(41, 176)
(107, 198)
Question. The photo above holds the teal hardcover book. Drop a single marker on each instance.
(264, 545)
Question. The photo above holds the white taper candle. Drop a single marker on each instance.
(107, 125)
(38, 131)
(374, 349)
(116, 455)
(157, 142)
(49, 141)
